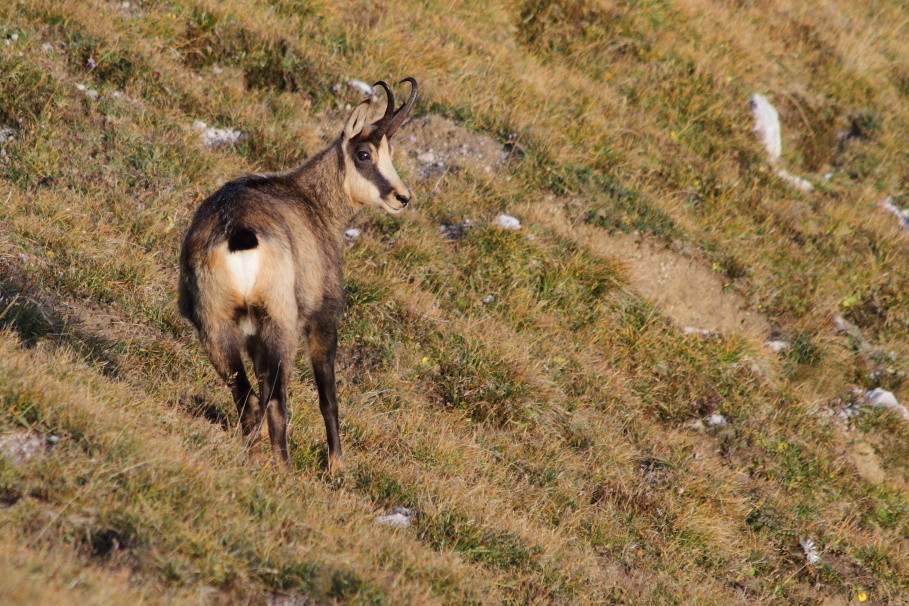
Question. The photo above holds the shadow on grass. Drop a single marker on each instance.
(34, 316)
(199, 406)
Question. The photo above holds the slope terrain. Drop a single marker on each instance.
(583, 410)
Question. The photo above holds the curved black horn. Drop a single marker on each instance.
(404, 110)
(382, 124)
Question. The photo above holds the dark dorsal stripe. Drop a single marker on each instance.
(243, 239)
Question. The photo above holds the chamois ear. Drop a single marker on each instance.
(357, 119)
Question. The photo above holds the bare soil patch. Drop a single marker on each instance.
(433, 144)
(692, 295)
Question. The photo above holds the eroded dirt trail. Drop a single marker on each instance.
(687, 292)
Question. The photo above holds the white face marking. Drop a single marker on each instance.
(387, 169)
(364, 191)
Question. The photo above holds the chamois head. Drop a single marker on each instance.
(370, 177)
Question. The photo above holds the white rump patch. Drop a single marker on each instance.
(244, 267)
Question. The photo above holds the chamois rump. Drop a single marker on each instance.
(261, 268)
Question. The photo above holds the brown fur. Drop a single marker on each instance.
(285, 281)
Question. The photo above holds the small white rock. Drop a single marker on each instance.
(361, 86)
(797, 182)
(489, 299)
(901, 214)
(92, 93)
(841, 324)
(398, 518)
(881, 398)
(508, 222)
(426, 157)
(47, 47)
(23, 446)
(351, 234)
(214, 137)
(717, 420)
(777, 345)
(692, 330)
(767, 125)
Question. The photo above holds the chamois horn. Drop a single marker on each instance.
(389, 107)
(390, 123)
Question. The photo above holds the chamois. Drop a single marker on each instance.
(261, 268)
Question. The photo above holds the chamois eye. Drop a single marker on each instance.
(363, 156)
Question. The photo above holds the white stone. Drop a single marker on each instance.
(508, 222)
(398, 518)
(767, 125)
(351, 234)
(777, 345)
(717, 420)
(691, 330)
(426, 157)
(361, 86)
(23, 446)
(214, 137)
(796, 181)
(901, 214)
(881, 398)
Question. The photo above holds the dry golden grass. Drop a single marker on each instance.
(549, 441)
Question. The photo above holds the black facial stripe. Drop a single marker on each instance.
(372, 174)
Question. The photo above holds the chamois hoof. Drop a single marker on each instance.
(335, 465)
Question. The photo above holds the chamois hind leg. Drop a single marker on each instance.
(323, 344)
(274, 361)
(223, 349)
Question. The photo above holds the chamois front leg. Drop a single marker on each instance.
(323, 345)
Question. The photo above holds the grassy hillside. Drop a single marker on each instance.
(552, 439)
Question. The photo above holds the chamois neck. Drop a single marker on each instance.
(320, 180)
